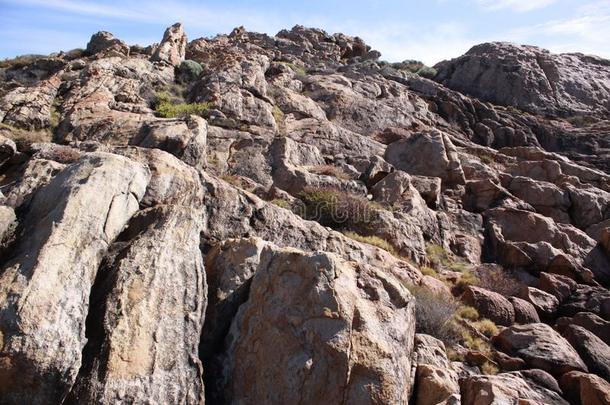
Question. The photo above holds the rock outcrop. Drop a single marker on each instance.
(288, 219)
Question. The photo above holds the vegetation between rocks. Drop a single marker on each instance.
(166, 107)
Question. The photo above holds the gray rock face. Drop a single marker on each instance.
(531, 79)
(335, 344)
(151, 301)
(45, 287)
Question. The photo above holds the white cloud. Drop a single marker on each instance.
(587, 32)
(514, 5)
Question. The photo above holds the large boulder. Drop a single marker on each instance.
(531, 79)
(585, 389)
(545, 303)
(309, 322)
(490, 305)
(508, 388)
(149, 312)
(594, 352)
(427, 154)
(70, 224)
(541, 347)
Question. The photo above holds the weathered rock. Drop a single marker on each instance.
(185, 139)
(594, 352)
(490, 305)
(586, 298)
(541, 347)
(414, 154)
(106, 43)
(172, 47)
(530, 78)
(507, 388)
(585, 389)
(590, 322)
(8, 222)
(525, 312)
(333, 331)
(36, 174)
(559, 286)
(149, 304)
(435, 379)
(77, 215)
(546, 304)
(7, 149)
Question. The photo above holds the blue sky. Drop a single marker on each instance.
(430, 30)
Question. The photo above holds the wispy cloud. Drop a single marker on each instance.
(515, 5)
(587, 31)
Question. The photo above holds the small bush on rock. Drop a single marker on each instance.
(500, 281)
(337, 209)
(166, 107)
(329, 170)
(468, 312)
(373, 240)
(188, 71)
(486, 327)
(434, 315)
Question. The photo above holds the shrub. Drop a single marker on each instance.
(278, 114)
(475, 343)
(427, 271)
(329, 170)
(434, 315)
(454, 355)
(467, 278)
(337, 209)
(489, 368)
(281, 203)
(24, 138)
(487, 159)
(498, 281)
(166, 107)
(188, 71)
(427, 72)
(373, 240)
(441, 258)
(296, 69)
(412, 66)
(467, 312)
(486, 327)
(19, 61)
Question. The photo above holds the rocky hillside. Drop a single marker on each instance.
(250, 219)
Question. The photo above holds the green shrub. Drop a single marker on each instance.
(166, 107)
(373, 240)
(337, 209)
(278, 114)
(441, 258)
(281, 203)
(24, 138)
(19, 61)
(467, 278)
(412, 66)
(188, 71)
(487, 159)
(467, 312)
(489, 368)
(428, 271)
(486, 327)
(427, 72)
(296, 69)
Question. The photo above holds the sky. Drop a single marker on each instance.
(430, 31)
